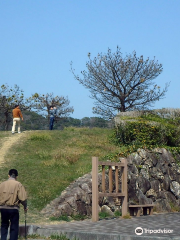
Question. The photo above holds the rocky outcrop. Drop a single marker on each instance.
(153, 177)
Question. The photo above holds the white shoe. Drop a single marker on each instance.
(12, 132)
(19, 132)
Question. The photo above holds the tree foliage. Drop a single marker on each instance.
(9, 97)
(42, 103)
(120, 84)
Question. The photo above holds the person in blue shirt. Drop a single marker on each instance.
(52, 114)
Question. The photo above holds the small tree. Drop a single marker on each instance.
(43, 102)
(121, 84)
(9, 97)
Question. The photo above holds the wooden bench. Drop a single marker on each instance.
(137, 209)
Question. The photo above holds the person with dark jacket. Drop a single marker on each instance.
(12, 193)
(52, 113)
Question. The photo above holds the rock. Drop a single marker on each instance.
(162, 205)
(156, 174)
(148, 162)
(167, 157)
(166, 183)
(144, 173)
(175, 188)
(134, 158)
(151, 193)
(142, 153)
(143, 184)
(156, 186)
(133, 169)
(170, 198)
(154, 159)
(142, 198)
(63, 209)
(107, 210)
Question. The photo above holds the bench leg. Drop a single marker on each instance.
(138, 212)
(145, 210)
(131, 211)
(150, 210)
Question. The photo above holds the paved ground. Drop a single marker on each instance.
(160, 226)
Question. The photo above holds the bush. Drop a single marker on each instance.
(103, 215)
(117, 213)
(146, 133)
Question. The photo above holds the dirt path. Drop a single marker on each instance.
(8, 143)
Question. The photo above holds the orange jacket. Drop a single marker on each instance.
(17, 113)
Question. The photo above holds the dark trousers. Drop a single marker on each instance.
(51, 123)
(9, 216)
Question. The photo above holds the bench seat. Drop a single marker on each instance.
(137, 209)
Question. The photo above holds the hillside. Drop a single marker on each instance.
(48, 161)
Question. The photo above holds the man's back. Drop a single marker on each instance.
(17, 113)
(11, 193)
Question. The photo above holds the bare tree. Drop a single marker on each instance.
(121, 84)
(9, 97)
(43, 102)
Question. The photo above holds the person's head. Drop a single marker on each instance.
(51, 107)
(16, 106)
(13, 173)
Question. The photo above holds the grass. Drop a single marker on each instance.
(103, 215)
(2, 136)
(48, 161)
(127, 216)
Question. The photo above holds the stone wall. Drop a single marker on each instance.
(153, 177)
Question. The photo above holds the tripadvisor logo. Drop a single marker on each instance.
(139, 231)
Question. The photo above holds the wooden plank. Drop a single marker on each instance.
(95, 211)
(111, 163)
(124, 187)
(116, 179)
(111, 194)
(103, 179)
(110, 179)
(145, 205)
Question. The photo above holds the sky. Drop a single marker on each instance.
(40, 38)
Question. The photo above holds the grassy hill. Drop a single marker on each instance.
(48, 161)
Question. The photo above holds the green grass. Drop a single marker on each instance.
(2, 136)
(103, 215)
(48, 161)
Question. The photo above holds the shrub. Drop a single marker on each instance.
(146, 133)
(103, 215)
(117, 213)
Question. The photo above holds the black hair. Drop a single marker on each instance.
(16, 105)
(13, 173)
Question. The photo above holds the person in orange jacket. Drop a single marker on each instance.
(17, 116)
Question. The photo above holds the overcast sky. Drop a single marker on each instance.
(39, 39)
